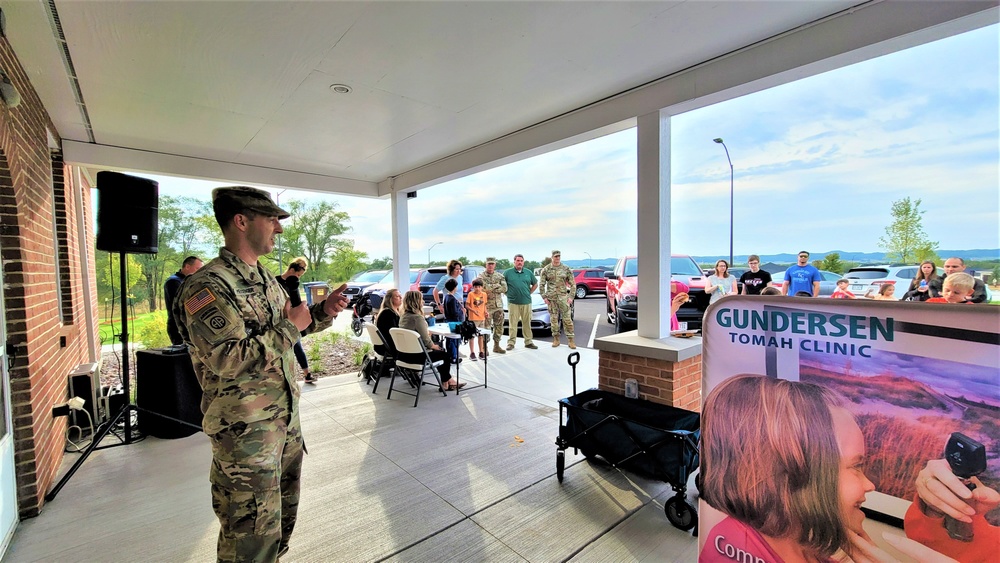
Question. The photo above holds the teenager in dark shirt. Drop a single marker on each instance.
(756, 279)
(290, 281)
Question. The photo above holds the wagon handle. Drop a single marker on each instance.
(572, 360)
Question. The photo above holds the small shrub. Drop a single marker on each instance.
(313, 353)
(360, 351)
(153, 334)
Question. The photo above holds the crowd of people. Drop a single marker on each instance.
(803, 280)
(242, 328)
(484, 307)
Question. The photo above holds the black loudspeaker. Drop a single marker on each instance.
(166, 384)
(127, 213)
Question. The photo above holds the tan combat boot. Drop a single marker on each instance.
(497, 349)
(572, 342)
(555, 341)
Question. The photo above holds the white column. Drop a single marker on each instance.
(653, 191)
(400, 241)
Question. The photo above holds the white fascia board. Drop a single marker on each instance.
(860, 33)
(102, 156)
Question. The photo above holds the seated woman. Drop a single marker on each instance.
(413, 319)
(388, 317)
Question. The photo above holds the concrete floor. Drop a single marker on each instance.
(466, 478)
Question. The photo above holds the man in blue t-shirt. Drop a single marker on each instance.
(802, 277)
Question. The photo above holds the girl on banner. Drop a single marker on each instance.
(783, 461)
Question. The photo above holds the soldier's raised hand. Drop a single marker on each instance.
(336, 301)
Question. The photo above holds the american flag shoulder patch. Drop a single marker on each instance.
(198, 301)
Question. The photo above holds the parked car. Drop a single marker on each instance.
(827, 285)
(623, 291)
(589, 280)
(360, 281)
(427, 279)
(541, 321)
(376, 291)
(870, 279)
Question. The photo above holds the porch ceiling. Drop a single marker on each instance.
(249, 83)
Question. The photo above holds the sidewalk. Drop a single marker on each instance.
(459, 478)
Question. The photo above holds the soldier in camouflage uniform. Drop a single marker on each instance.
(495, 285)
(240, 328)
(556, 284)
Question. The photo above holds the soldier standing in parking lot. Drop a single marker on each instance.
(495, 285)
(556, 284)
(240, 327)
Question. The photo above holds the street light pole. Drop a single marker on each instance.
(277, 202)
(590, 261)
(429, 253)
(719, 140)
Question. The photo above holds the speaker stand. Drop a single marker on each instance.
(127, 409)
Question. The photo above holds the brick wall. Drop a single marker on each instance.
(660, 381)
(33, 226)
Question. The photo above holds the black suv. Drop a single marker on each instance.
(428, 278)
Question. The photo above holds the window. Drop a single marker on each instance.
(60, 241)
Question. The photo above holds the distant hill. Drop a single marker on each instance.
(790, 257)
(862, 257)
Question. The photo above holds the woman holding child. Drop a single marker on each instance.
(413, 319)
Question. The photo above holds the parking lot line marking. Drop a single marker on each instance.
(593, 333)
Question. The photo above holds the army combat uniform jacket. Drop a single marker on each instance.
(231, 316)
(495, 285)
(554, 282)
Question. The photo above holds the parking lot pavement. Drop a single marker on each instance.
(589, 322)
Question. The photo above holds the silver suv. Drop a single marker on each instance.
(868, 280)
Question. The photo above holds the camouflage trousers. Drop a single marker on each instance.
(255, 487)
(495, 320)
(559, 308)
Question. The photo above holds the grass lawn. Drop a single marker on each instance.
(135, 324)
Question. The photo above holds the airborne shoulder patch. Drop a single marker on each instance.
(198, 301)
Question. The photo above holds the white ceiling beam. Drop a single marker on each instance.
(852, 36)
(102, 156)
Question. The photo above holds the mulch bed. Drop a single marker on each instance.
(333, 359)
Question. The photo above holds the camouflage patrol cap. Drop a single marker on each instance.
(236, 199)
(556, 253)
(491, 260)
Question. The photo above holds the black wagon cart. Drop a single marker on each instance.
(648, 438)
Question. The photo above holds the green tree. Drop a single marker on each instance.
(384, 263)
(187, 225)
(905, 235)
(926, 252)
(107, 266)
(312, 231)
(832, 263)
(346, 262)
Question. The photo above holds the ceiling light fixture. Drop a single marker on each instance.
(341, 88)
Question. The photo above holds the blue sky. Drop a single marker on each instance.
(818, 163)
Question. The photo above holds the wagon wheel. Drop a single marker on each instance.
(681, 514)
(699, 483)
(560, 464)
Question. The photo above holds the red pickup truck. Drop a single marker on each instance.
(623, 291)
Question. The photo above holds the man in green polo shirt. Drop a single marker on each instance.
(520, 284)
